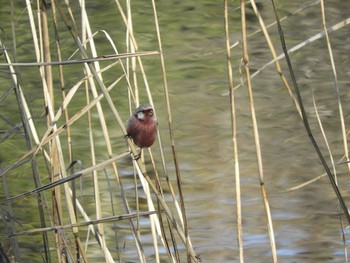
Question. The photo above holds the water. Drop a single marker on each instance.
(306, 220)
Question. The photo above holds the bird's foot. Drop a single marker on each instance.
(137, 156)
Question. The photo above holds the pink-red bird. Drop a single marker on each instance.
(142, 126)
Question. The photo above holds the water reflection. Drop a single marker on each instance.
(306, 220)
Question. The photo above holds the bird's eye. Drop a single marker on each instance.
(149, 112)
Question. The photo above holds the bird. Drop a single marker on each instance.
(142, 126)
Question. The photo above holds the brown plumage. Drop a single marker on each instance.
(142, 126)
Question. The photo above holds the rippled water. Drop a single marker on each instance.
(306, 220)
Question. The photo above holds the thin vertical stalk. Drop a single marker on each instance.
(341, 115)
(62, 81)
(86, 31)
(138, 163)
(171, 133)
(132, 38)
(274, 56)
(131, 64)
(131, 48)
(305, 120)
(29, 128)
(46, 49)
(234, 136)
(336, 86)
(93, 68)
(98, 209)
(256, 134)
(334, 170)
(48, 78)
(43, 54)
(13, 32)
(12, 228)
(58, 165)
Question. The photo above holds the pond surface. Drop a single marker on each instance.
(306, 220)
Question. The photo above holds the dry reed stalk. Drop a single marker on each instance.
(29, 129)
(132, 47)
(298, 46)
(45, 55)
(135, 46)
(182, 212)
(89, 85)
(234, 137)
(13, 240)
(101, 230)
(88, 222)
(83, 172)
(57, 157)
(245, 60)
(53, 153)
(24, 111)
(336, 86)
(106, 134)
(274, 56)
(116, 115)
(134, 64)
(341, 117)
(306, 122)
(50, 134)
(334, 169)
(81, 61)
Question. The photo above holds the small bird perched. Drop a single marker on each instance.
(142, 126)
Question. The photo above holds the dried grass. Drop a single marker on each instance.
(84, 228)
(67, 224)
